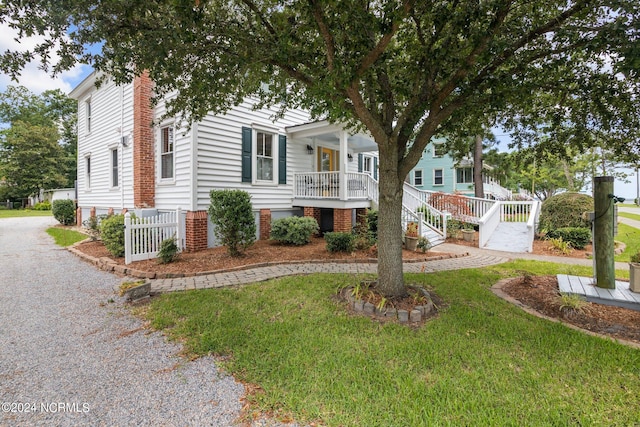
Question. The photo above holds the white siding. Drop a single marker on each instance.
(220, 153)
(111, 118)
(171, 193)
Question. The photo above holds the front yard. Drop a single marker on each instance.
(481, 361)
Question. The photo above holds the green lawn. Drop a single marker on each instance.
(16, 213)
(482, 361)
(631, 237)
(629, 215)
(64, 237)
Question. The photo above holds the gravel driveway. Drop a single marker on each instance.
(70, 357)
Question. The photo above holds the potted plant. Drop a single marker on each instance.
(634, 272)
(468, 233)
(411, 236)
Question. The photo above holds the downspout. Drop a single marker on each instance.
(121, 165)
(193, 195)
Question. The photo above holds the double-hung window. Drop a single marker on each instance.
(167, 147)
(114, 167)
(464, 175)
(438, 177)
(367, 166)
(439, 150)
(417, 177)
(264, 156)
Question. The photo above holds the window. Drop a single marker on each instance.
(438, 177)
(87, 112)
(367, 166)
(417, 177)
(166, 152)
(114, 167)
(264, 156)
(439, 150)
(464, 175)
(87, 167)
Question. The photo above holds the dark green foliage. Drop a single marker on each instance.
(232, 216)
(372, 220)
(42, 206)
(340, 242)
(294, 230)
(112, 232)
(364, 238)
(168, 251)
(64, 211)
(565, 210)
(578, 237)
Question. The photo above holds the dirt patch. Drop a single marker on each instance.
(541, 293)
(263, 251)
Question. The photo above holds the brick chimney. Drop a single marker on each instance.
(144, 186)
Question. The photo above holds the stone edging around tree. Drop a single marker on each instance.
(107, 264)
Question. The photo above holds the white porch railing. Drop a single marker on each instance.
(461, 208)
(326, 185)
(433, 218)
(143, 236)
(510, 211)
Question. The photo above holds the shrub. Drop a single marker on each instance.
(578, 237)
(565, 210)
(294, 230)
(42, 206)
(231, 214)
(64, 211)
(168, 251)
(112, 232)
(423, 244)
(364, 238)
(339, 241)
(561, 246)
(372, 220)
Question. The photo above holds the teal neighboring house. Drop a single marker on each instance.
(438, 171)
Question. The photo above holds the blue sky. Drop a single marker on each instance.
(38, 81)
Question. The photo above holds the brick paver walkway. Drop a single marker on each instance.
(259, 274)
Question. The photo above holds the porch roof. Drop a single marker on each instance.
(329, 134)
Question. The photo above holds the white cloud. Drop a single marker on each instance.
(32, 77)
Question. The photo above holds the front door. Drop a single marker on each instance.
(326, 160)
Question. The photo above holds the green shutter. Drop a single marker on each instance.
(375, 168)
(360, 161)
(246, 154)
(282, 159)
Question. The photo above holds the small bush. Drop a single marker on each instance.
(565, 210)
(561, 246)
(294, 230)
(42, 206)
(232, 216)
(112, 232)
(339, 242)
(168, 251)
(372, 220)
(64, 211)
(577, 237)
(364, 238)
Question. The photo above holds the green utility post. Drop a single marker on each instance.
(603, 232)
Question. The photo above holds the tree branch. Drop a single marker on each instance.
(325, 33)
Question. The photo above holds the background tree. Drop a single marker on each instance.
(44, 124)
(402, 69)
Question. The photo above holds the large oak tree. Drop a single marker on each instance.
(403, 70)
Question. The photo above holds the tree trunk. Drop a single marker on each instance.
(390, 274)
(478, 184)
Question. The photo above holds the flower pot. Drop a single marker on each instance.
(411, 243)
(467, 235)
(634, 276)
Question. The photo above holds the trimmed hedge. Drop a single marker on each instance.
(293, 230)
(232, 216)
(112, 233)
(64, 211)
(578, 237)
(565, 210)
(340, 241)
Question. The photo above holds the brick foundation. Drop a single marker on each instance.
(144, 185)
(79, 217)
(342, 220)
(313, 213)
(265, 224)
(196, 231)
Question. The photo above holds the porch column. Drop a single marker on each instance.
(343, 165)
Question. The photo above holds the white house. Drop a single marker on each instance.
(129, 158)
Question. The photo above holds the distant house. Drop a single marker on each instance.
(438, 171)
(129, 157)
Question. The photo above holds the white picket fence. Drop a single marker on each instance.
(143, 236)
